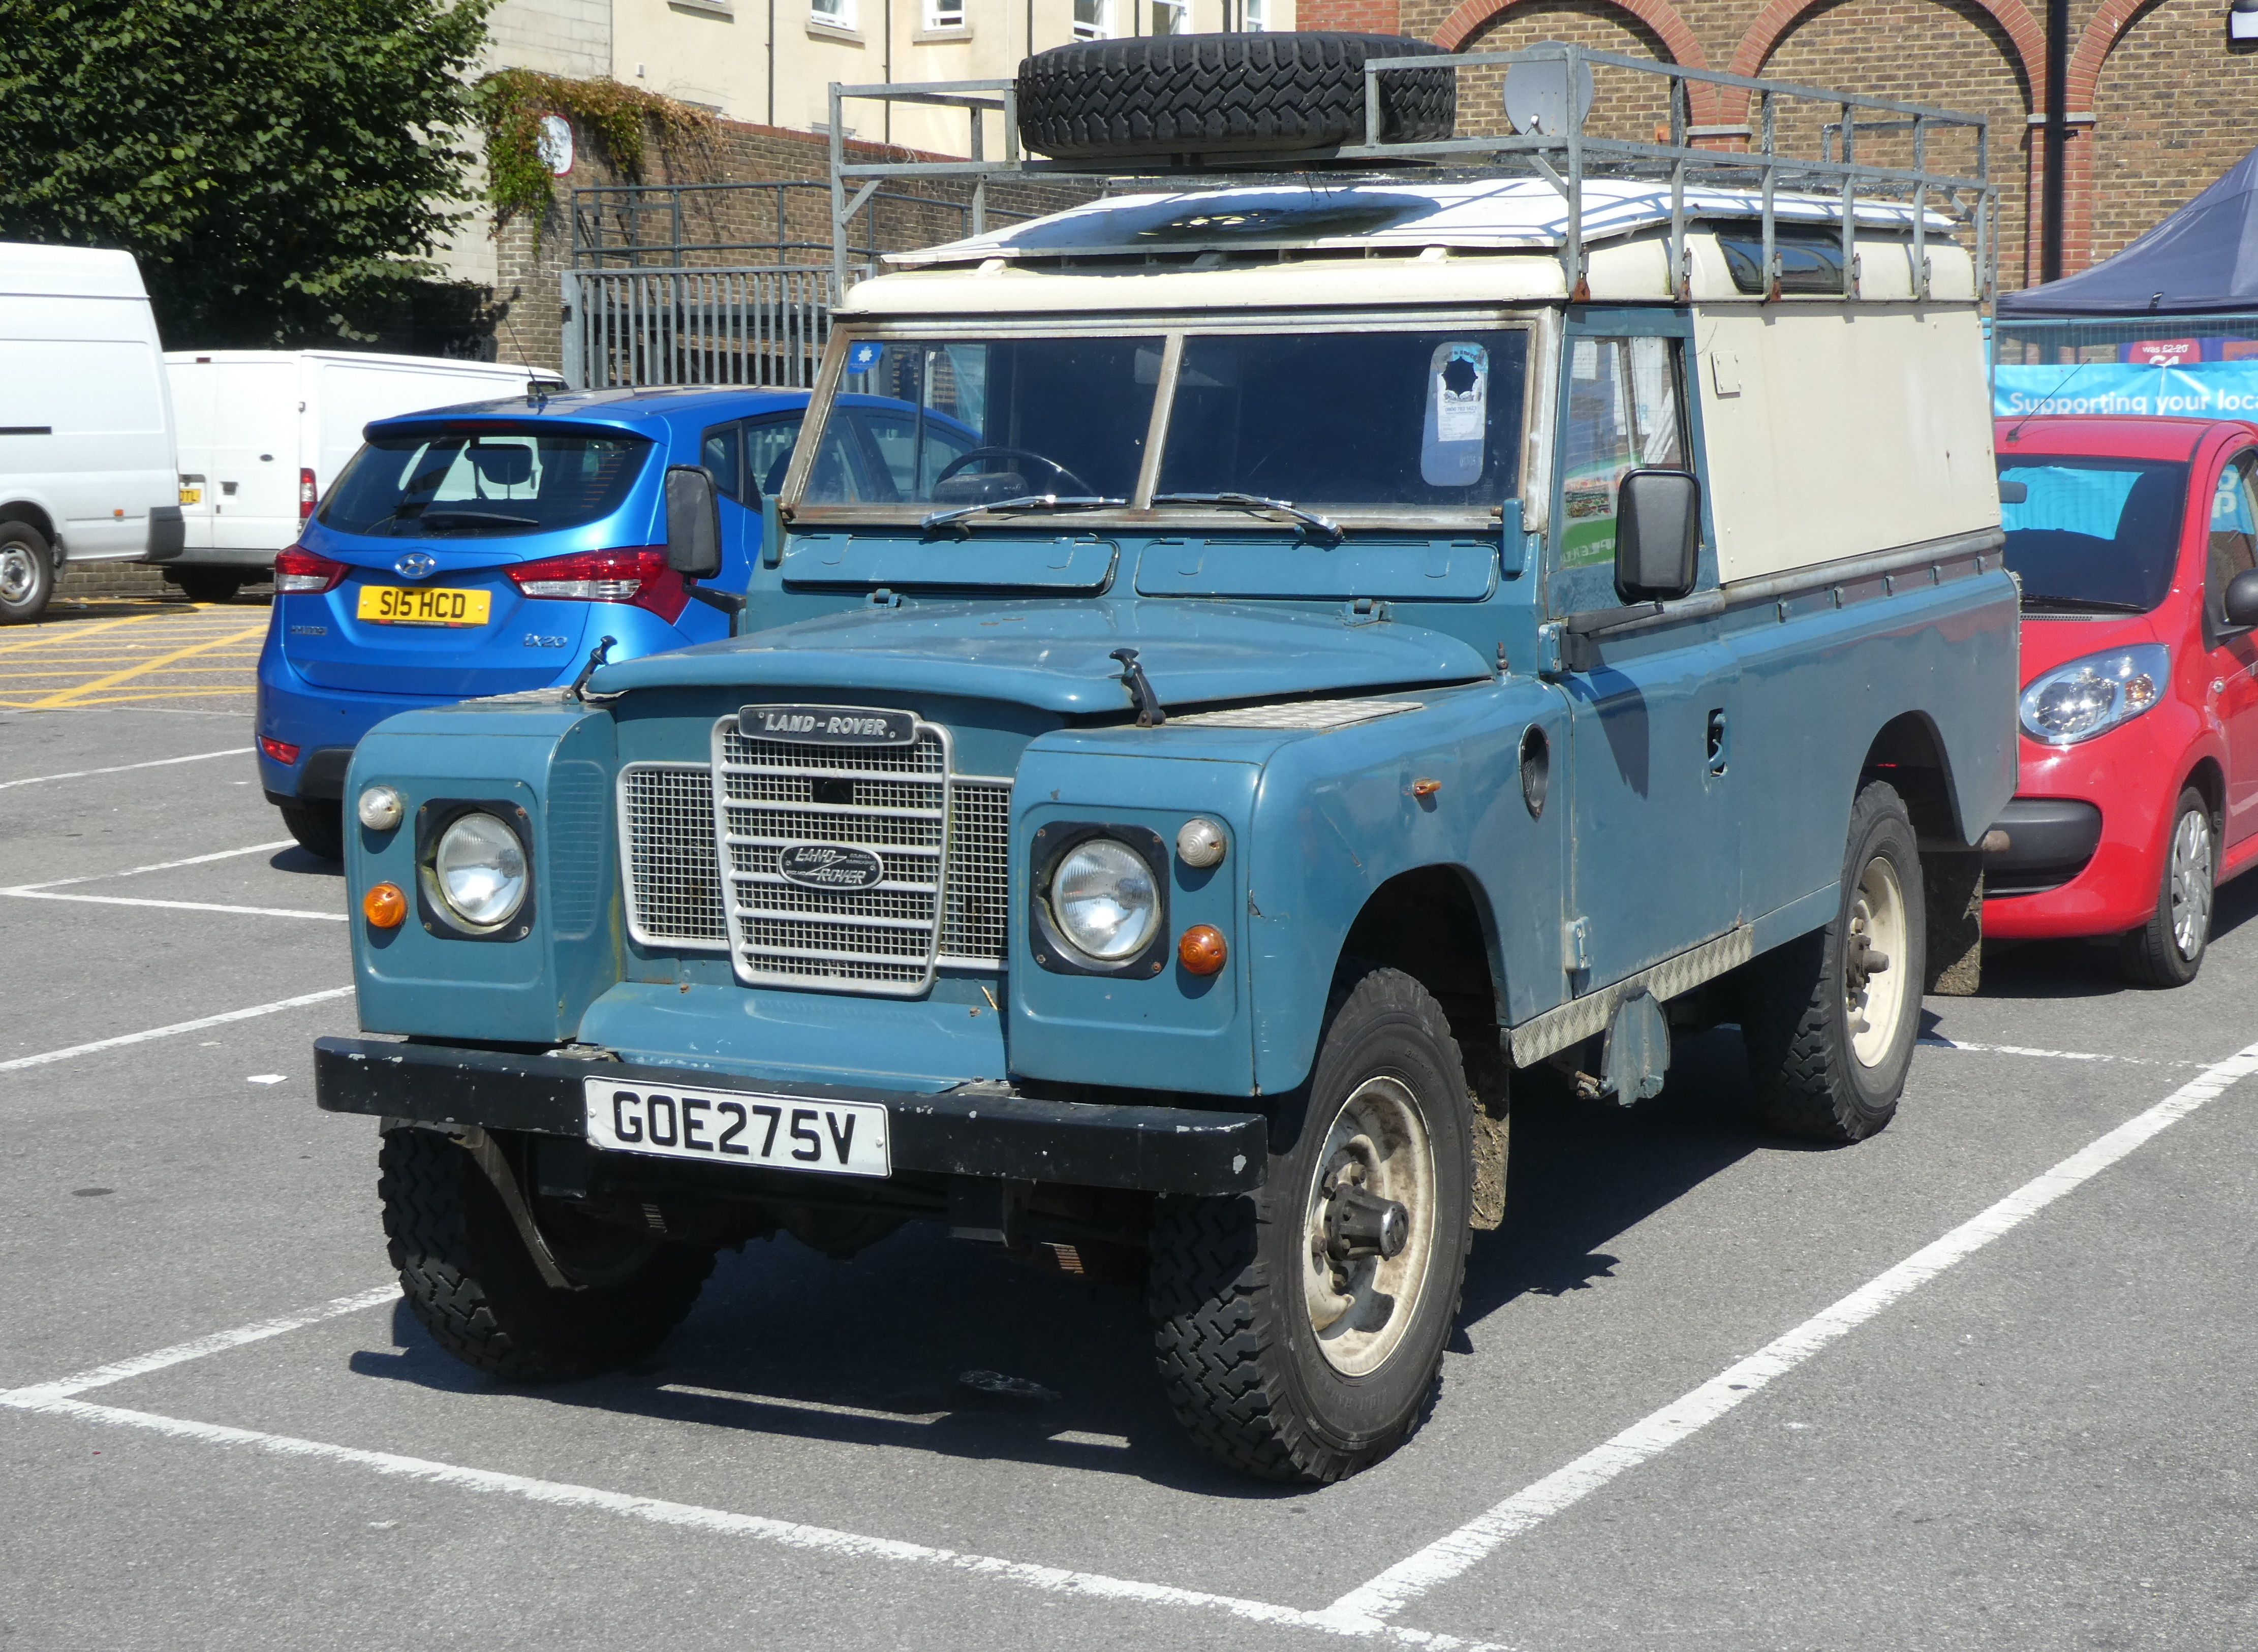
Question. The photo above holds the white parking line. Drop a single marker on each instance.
(155, 762)
(159, 866)
(1935, 1041)
(197, 1025)
(178, 907)
(1455, 1552)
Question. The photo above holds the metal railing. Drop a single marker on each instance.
(2043, 340)
(755, 327)
(657, 225)
(1565, 161)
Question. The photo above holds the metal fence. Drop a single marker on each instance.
(761, 327)
(2224, 337)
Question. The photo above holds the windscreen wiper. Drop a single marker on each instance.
(1024, 502)
(1256, 502)
(2080, 605)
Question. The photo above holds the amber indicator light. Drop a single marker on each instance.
(385, 906)
(1202, 950)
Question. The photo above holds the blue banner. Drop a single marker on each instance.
(2207, 390)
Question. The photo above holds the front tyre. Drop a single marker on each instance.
(468, 1276)
(2168, 950)
(319, 825)
(1830, 1018)
(1300, 1330)
(27, 574)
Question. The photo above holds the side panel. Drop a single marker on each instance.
(85, 374)
(1834, 431)
(252, 463)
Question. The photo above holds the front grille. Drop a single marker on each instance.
(666, 832)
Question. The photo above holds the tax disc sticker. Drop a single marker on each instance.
(862, 357)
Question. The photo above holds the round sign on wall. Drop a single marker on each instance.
(555, 144)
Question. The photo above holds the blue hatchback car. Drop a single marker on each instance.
(489, 549)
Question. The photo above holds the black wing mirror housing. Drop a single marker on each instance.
(2015, 492)
(1658, 535)
(2242, 600)
(693, 522)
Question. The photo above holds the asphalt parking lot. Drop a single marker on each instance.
(1982, 1381)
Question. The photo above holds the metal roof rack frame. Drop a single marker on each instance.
(1564, 161)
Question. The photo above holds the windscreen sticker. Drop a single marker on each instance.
(864, 355)
(1462, 394)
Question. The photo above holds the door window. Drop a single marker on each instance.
(2234, 532)
(768, 452)
(1625, 411)
(719, 451)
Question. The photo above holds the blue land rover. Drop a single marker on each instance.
(1376, 641)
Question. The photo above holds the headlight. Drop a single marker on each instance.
(2075, 701)
(1103, 899)
(478, 870)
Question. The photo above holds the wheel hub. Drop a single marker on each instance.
(1874, 947)
(2191, 881)
(18, 574)
(1369, 1232)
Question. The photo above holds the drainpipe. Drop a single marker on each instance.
(887, 71)
(2056, 139)
(771, 62)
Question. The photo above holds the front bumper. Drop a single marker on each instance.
(984, 1132)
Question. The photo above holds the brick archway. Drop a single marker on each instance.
(1659, 16)
(2088, 57)
(1778, 20)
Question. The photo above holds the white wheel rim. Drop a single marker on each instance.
(1360, 1308)
(1874, 961)
(18, 573)
(2190, 886)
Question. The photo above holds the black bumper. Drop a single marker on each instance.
(2049, 842)
(1152, 1149)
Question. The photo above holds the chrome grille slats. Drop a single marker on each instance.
(666, 846)
(977, 907)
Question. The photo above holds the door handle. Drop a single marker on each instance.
(1718, 744)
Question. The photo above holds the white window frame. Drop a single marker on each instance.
(949, 14)
(1102, 29)
(1254, 17)
(835, 14)
(1181, 8)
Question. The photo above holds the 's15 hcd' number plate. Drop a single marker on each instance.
(785, 1132)
(422, 605)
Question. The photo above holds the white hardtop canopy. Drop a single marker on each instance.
(1321, 214)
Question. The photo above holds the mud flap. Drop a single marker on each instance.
(1954, 882)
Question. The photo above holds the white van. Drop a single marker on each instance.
(265, 432)
(87, 472)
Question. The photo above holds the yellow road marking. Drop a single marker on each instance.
(127, 699)
(58, 631)
(68, 696)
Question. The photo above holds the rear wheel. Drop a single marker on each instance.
(1830, 1018)
(27, 574)
(468, 1276)
(1300, 1330)
(207, 585)
(319, 825)
(2168, 950)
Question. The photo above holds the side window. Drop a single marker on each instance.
(719, 451)
(2234, 531)
(768, 453)
(915, 450)
(1625, 411)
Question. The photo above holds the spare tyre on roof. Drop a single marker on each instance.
(1226, 94)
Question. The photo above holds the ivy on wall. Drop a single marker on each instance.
(623, 121)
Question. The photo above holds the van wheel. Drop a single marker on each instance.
(319, 825)
(201, 584)
(2168, 949)
(27, 574)
(1830, 1018)
(1299, 1329)
(469, 1277)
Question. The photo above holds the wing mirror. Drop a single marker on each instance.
(693, 522)
(2015, 492)
(1658, 534)
(2241, 602)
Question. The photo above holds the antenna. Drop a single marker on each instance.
(536, 393)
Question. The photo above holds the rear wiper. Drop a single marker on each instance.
(1024, 502)
(2080, 605)
(480, 516)
(1256, 502)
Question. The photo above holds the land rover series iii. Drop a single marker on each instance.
(1383, 630)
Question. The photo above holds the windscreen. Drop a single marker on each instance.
(1350, 419)
(2093, 534)
(976, 422)
(485, 484)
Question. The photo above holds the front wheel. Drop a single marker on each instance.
(27, 574)
(1300, 1330)
(1830, 1018)
(2168, 949)
(207, 585)
(469, 1277)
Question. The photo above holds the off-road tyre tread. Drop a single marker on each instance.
(1209, 1295)
(319, 825)
(1213, 94)
(1791, 1018)
(466, 1277)
(2148, 956)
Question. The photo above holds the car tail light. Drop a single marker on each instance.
(298, 569)
(280, 750)
(305, 494)
(638, 575)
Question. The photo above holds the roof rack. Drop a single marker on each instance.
(1565, 161)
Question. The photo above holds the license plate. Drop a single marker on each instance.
(400, 605)
(783, 1132)
(192, 496)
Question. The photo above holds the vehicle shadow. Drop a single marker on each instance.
(787, 1345)
(2088, 970)
(301, 863)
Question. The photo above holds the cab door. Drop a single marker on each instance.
(1655, 861)
(2232, 548)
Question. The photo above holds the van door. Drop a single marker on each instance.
(254, 443)
(1654, 858)
(193, 384)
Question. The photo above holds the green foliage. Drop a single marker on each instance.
(280, 168)
(512, 102)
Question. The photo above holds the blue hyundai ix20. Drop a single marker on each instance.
(489, 549)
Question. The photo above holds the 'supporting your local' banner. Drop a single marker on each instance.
(2207, 390)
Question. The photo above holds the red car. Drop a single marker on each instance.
(2136, 542)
